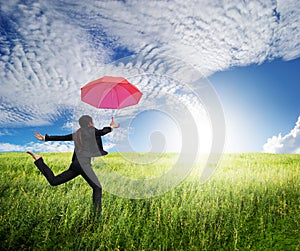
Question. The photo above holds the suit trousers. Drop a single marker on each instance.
(74, 170)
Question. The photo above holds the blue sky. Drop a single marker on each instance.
(247, 50)
(259, 101)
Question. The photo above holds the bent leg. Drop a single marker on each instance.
(52, 179)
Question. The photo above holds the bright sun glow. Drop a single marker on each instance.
(154, 131)
(157, 131)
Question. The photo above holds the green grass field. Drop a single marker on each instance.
(252, 202)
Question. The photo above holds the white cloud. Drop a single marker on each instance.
(38, 147)
(45, 147)
(44, 62)
(289, 143)
(212, 35)
(288, 46)
(7, 147)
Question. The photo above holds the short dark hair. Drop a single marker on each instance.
(85, 120)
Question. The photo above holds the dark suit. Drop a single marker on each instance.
(81, 163)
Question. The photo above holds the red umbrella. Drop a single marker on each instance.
(110, 93)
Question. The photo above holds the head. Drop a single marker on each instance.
(85, 121)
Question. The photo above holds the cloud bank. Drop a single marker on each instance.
(44, 62)
(39, 147)
(44, 147)
(49, 49)
(289, 143)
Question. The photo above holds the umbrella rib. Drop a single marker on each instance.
(127, 91)
(115, 93)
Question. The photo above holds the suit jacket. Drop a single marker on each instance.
(93, 149)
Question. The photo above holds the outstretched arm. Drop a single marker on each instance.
(67, 137)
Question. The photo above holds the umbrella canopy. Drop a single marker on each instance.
(110, 93)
